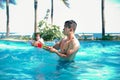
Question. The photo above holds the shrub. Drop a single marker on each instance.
(49, 32)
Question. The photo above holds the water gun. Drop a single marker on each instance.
(40, 45)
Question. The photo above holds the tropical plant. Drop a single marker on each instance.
(7, 13)
(44, 21)
(35, 13)
(47, 14)
(52, 8)
(1, 4)
(103, 23)
(49, 32)
(52, 11)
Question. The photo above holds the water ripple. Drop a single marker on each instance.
(4, 56)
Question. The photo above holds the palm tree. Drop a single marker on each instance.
(52, 12)
(7, 13)
(52, 6)
(35, 13)
(103, 23)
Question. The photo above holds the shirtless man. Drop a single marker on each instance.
(69, 45)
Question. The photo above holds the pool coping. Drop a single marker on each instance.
(12, 39)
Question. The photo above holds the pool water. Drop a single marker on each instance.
(95, 60)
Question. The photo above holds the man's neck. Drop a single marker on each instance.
(70, 36)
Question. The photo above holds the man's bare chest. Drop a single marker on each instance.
(64, 45)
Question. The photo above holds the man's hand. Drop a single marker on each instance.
(51, 49)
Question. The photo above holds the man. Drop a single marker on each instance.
(69, 45)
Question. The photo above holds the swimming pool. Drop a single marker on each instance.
(95, 60)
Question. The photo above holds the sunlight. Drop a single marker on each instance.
(86, 13)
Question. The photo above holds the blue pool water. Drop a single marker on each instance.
(95, 60)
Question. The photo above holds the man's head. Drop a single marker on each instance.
(69, 26)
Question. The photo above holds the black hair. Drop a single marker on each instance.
(34, 35)
(71, 23)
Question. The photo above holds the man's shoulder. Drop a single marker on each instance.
(75, 41)
(62, 39)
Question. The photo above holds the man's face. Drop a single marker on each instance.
(66, 30)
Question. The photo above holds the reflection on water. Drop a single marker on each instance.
(95, 60)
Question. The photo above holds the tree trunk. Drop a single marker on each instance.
(7, 13)
(51, 12)
(35, 13)
(103, 23)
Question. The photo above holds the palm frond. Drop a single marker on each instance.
(66, 3)
(2, 3)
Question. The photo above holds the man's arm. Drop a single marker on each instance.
(71, 50)
(57, 45)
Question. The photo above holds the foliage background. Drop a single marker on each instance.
(49, 32)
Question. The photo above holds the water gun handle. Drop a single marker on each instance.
(44, 46)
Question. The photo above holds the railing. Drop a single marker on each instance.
(95, 36)
(85, 36)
